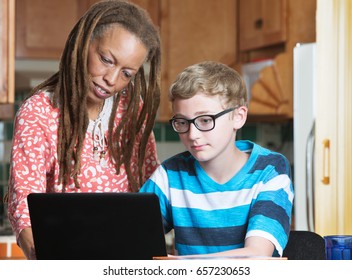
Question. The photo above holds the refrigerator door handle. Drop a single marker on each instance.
(310, 177)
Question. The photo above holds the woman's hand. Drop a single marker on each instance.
(25, 241)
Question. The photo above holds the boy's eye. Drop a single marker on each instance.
(181, 122)
(205, 120)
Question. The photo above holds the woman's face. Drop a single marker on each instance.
(113, 60)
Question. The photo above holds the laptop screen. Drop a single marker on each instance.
(96, 226)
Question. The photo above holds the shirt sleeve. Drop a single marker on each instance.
(270, 215)
(30, 156)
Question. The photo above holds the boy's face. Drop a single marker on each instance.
(206, 146)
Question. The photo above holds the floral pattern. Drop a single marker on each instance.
(34, 166)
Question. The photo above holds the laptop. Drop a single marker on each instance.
(96, 226)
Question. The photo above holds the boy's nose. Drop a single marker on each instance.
(193, 131)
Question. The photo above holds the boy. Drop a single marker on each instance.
(220, 198)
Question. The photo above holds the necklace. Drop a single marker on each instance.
(99, 141)
(99, 156)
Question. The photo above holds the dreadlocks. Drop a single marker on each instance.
(70, 87)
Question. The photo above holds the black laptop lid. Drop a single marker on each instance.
(96, 226)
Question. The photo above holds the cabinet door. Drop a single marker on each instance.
(152, 7)
(333, 195)
(193, 31)
(42, 26)
(262, 23)
(7, 46)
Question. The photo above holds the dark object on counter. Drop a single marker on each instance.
(96, 226)
(305, 245)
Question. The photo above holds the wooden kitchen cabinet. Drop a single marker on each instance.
(262, 23)
(272, 93)
(7, 59)
(42, 26)
(153, 8)
(193, 31)
(333, 177)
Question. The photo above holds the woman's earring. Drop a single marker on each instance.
(123, 91)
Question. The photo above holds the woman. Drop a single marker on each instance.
(88, 128)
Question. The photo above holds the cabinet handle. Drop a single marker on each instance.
(258, 24)
(326, 162)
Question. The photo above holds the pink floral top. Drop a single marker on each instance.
(34, 163)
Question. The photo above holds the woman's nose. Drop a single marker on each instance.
(111, 76)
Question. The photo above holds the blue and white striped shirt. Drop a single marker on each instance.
(209, 217)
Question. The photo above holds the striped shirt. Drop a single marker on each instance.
(209, 217)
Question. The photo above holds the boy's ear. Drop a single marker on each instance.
(240, 117)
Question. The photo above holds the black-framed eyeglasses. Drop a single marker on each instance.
(202, 122)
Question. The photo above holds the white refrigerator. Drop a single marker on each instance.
(304, 91)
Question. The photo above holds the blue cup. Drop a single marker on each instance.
(338, 247)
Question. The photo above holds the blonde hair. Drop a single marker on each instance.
(70, 87)
(211, 78)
